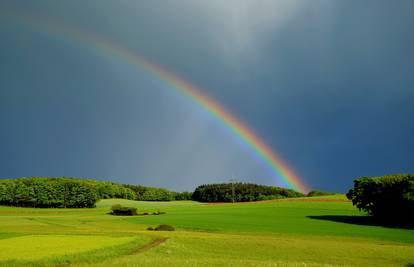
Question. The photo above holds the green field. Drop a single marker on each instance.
(324, 231)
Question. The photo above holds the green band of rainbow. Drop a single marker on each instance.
(278, 169)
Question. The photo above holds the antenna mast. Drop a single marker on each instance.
(232, 180)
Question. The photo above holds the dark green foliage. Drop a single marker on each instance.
(183, 195)
(144, 193)
(112, 190)
(123, 211)
(315, 193)
(48, 193)
(164, 227)
(150, 228)
(389, 198)
(243, 192)
(81, 193)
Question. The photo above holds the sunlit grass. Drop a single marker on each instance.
(50, 250)
(39, 246)
(269, 233)
(211, 249)
(107, 203)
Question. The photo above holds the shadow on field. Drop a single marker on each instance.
(360, 220)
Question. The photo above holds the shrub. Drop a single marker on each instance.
(116, 207)
(389, 198)
(150, 228)
(164, 227)
(123, 211)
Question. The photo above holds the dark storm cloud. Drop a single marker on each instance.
(328, 84)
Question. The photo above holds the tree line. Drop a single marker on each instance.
(241, 192)
(48, 193)
(44, 192)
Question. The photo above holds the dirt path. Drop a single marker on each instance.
(154, 243)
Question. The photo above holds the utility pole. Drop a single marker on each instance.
(232, 180)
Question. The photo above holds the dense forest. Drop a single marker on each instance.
(76, 193)
(48, 193)
(242, 192)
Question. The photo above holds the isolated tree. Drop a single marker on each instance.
(389, 198)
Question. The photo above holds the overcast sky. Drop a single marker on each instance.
(329, 85)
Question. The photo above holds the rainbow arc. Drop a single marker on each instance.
(260, 150)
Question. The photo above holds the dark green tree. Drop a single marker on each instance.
(389, 198)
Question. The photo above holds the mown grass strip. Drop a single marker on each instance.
(91, 256)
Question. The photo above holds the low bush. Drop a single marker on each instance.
(123, 211)
(164, 227)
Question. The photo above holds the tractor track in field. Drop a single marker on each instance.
(154, 243)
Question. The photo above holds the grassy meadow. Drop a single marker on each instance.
(318, 231)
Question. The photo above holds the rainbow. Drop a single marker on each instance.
(277, 168)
